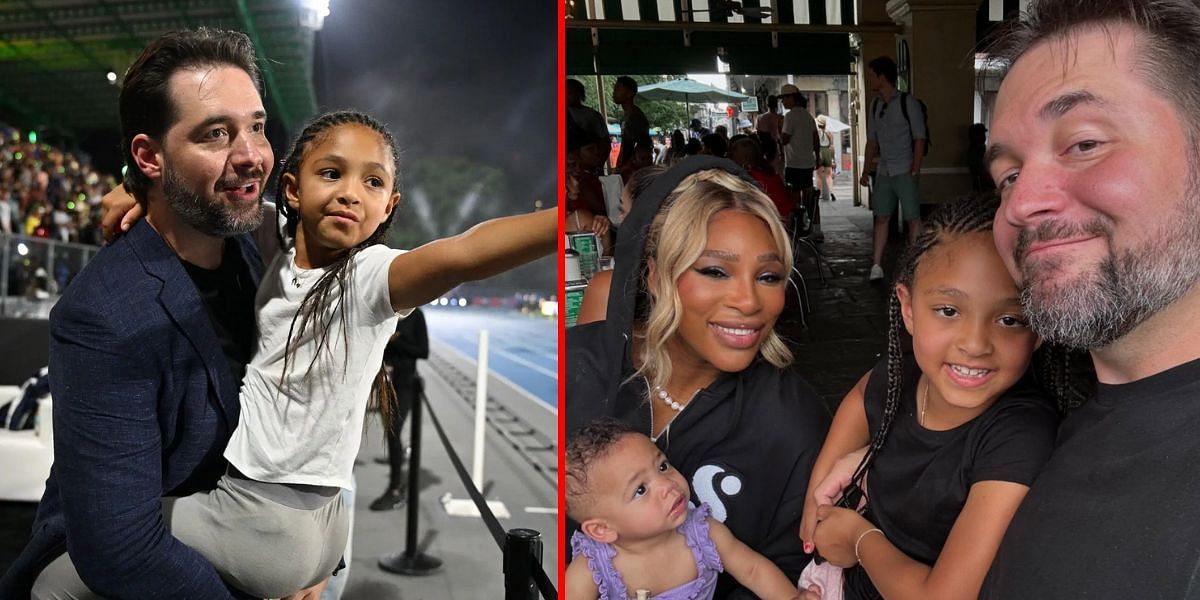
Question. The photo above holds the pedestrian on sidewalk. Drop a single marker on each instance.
(800, 154)
(825, 161)
(897, 135)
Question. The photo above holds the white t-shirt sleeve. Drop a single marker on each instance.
(371, 282)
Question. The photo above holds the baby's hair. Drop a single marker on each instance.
(320, 300)
(592, 442)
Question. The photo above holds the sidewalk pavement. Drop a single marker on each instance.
(846, 330)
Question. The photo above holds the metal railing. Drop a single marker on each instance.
(35, 271)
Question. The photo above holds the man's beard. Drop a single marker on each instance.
(210, 215)
(1102, 305)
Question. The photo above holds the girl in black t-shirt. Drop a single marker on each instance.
(957, 433)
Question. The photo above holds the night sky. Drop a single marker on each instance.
(473, 79)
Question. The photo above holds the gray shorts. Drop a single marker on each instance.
(259, 545)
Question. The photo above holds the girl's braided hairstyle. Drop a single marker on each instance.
(972, 214)
(324, 300)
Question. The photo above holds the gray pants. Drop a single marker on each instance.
(258, 545)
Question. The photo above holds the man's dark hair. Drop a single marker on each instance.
(1167, 48)
(716, 144)
(772, 103)
(628, 82)
(145, 102)
(801, 100)
(884, 66)
(575, 84)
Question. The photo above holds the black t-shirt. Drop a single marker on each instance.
(1116, 511)
(745, 444)
(919, 482)
(228, 296)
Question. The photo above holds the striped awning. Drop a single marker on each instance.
(998, 9)
(631, 37)
(789, 12)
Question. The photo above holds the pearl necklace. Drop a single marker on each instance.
(668, 400)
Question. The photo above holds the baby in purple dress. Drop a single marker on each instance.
(638, 536)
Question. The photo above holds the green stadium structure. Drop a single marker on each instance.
(56, 55)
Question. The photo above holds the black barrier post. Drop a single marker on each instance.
(412, 561)
(522, 550)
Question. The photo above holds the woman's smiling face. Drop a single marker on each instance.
(731, 296)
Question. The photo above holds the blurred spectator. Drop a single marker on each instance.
(46, 192)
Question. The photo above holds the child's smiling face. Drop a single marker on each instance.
(970, 336)
(343, 191)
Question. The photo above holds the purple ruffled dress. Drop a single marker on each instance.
(695, 530)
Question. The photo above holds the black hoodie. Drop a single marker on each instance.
(745, 443)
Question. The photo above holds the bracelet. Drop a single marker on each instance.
(860, 539)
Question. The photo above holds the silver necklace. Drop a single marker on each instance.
(298, 274)
(924, 405)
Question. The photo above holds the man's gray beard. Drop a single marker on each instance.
(209, 216)
(1100, 307)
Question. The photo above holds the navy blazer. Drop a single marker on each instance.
(144, 404)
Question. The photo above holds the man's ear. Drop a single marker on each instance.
(290, 190)
(599, 530)
(147, 156)
(905, 306)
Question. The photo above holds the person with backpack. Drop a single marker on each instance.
(898, 135)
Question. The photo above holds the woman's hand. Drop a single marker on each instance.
(312, 593)
(828, 491)
(120, 210)
(812, 593)
(837, 530)
(600, 226)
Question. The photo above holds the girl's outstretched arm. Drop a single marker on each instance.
(486, 249)
(960, 568)
(748, 567)
(848, 433)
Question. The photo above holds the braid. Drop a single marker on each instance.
(324, 300)
(971, 214)
(1055, 371)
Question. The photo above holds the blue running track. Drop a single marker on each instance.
(522, 349)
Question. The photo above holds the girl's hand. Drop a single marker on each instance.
(828, 491)
(836, 532)
(120, 210)
(812, 593)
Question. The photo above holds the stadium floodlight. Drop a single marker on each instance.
(111, 76)
(32, 137)
(313, 13)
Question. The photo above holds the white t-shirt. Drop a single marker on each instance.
(309, 429)
(798, 153)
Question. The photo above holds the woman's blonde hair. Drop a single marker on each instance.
(675, 240)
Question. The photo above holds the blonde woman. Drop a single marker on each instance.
(689, 355)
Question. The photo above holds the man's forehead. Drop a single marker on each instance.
(211, 89)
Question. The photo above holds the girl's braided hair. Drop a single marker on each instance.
(971, 214)
(324, 300)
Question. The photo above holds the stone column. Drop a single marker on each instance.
(941, 41)
(869, 46)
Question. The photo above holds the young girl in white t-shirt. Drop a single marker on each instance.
(325, 310)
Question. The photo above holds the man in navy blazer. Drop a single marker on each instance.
(147, 342)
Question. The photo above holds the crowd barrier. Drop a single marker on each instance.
(522, 548)
(34, 271)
